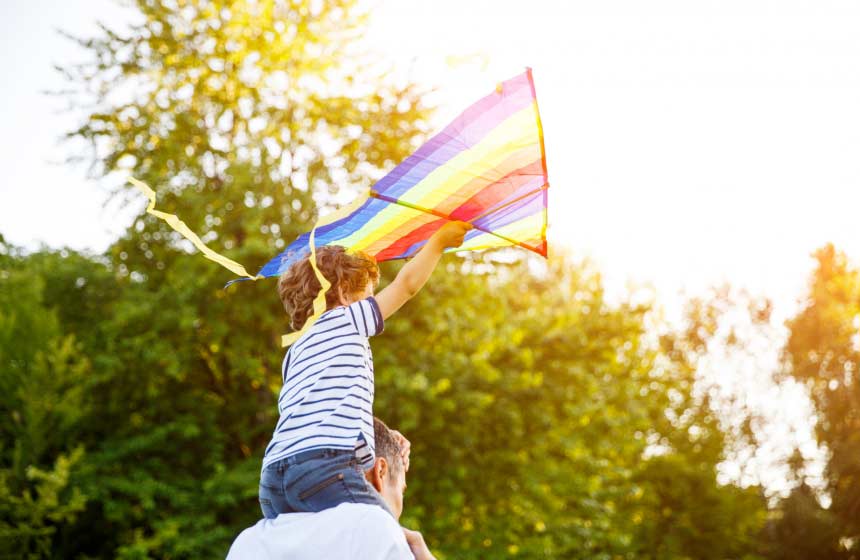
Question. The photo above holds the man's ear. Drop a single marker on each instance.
(382, 466)
(377, 474)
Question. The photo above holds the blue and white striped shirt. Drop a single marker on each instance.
(326, 401)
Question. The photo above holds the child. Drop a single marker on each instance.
(324, 436)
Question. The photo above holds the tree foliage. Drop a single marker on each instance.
(529, 399)
(823, 353)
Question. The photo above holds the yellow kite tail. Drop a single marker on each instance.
(183, 229)
(319, 301)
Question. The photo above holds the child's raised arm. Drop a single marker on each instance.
(415, 273)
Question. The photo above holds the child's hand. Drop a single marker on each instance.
(416, 272)
(405, 446)
(451, 234)
(416, 543)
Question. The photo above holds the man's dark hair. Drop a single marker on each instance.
(387, 445)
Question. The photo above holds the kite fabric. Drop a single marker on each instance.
(487, 168)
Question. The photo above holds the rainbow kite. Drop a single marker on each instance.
(488, 168)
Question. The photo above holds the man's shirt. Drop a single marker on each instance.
(327, 397)
(359, 531)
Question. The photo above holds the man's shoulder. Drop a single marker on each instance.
(363, 515)
(376, 532)
(248, 544)
(348, 530)
(373, 532)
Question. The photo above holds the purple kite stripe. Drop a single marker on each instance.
(466, 131)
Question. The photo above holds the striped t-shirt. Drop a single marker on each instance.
(326, 401)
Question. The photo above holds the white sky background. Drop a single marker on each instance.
(689, 142)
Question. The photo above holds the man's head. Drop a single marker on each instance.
(388, 473)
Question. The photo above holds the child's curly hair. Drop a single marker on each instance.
(348, 273)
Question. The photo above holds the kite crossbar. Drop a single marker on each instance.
(375, 194)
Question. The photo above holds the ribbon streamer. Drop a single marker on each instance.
(319, 302)
(186, 232)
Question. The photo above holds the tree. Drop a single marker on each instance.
(823, 353)
(532, 404)
(529, 399)
(42, 404)
(799, 528)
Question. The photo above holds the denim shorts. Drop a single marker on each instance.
(313, 481)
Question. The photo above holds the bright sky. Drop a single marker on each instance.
(688, 142)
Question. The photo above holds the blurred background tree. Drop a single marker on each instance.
(138, 395)
(823, 353)
(800, 529)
